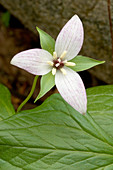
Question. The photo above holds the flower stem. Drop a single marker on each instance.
(30, 94)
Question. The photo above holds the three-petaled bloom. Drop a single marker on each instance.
(41, 62)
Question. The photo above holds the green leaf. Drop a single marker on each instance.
(100, 105)
(55, 136)
(6, 108)
(84, 63)
(47, 82)
(47, 42)
(6, 18)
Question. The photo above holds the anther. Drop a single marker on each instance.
(63, 71)
(50, 63)
(54, 55)
(53, 71)
(69, 64)
(63, 54)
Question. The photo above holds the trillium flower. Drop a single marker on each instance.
(41, 62)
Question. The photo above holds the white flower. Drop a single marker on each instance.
(41, 62)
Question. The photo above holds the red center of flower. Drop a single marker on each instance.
(58, 63)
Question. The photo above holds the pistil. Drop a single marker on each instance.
(58, 63)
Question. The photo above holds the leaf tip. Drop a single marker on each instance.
(103, 62)
(37, 28)
(35, 100)
(38, 97)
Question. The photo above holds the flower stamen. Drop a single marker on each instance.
(50, 63)
(63, 55)
(63, 71)
(69, 64)
(53, 71)
(65, 61)
(58, 63)
(54, 55)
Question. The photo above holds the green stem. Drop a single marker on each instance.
(30, 94)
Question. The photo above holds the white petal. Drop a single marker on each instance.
(33, 61)
(70, 38)
(72, 89)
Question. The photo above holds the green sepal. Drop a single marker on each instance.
(84, 63)
(47, 42)
(47, 82)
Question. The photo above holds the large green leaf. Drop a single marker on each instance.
(55, 136)
(47, 82)
(100, 105)
(6, 108)
(47, 42)
(84, 63)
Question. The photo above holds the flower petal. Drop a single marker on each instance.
(70, 38)
(72, 89)
(33, 61)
